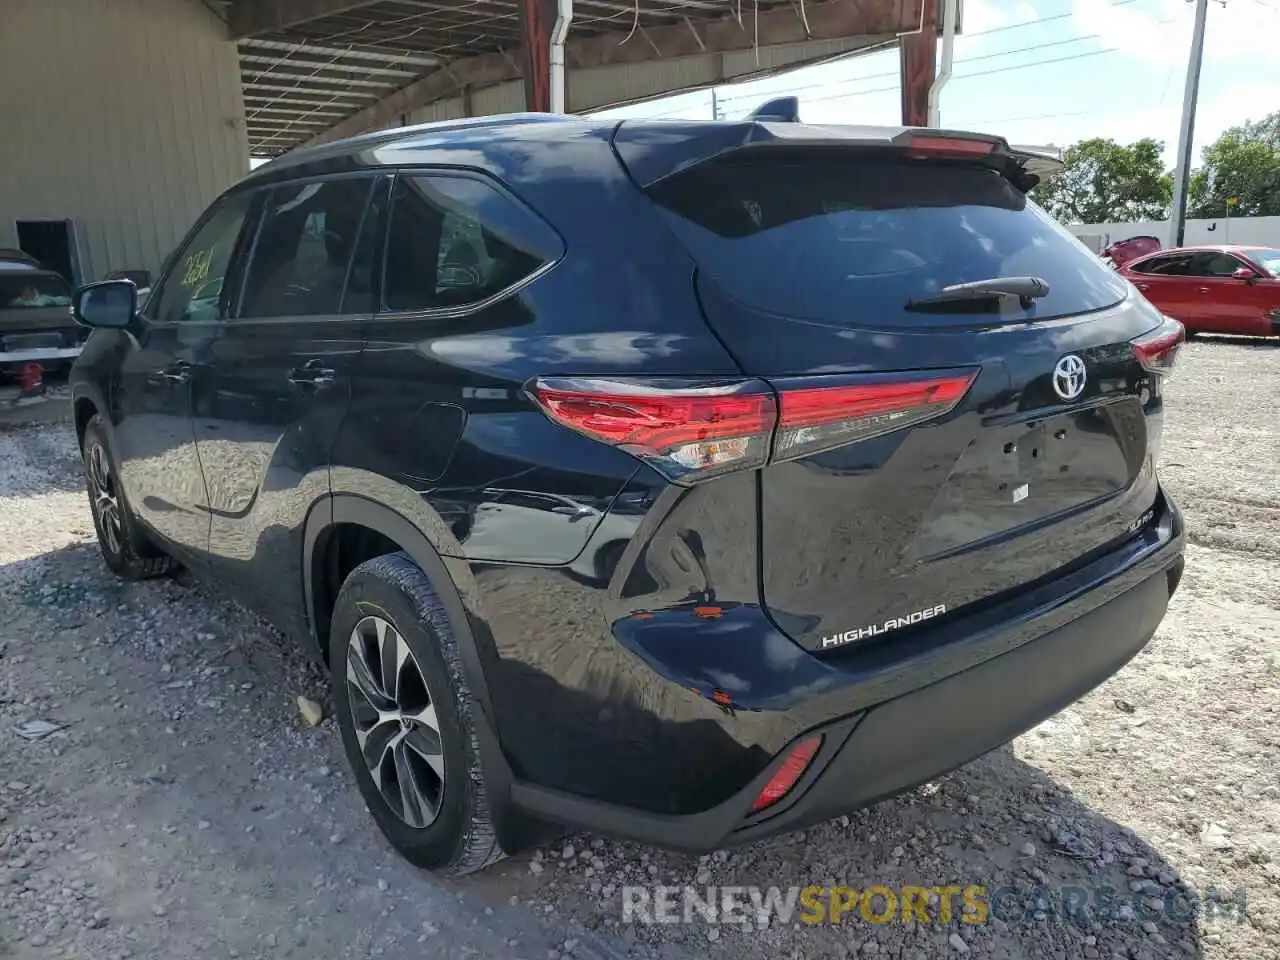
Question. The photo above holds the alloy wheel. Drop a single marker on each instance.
(104, 498)
(395, 721)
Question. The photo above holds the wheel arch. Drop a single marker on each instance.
(515, 829)
(339, 510)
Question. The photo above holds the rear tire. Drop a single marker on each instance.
(406, 716)
(125, 547)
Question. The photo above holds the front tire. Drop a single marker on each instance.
(125, 547)
(406, 716)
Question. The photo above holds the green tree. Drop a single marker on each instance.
(1244, 164)
(1104, 182)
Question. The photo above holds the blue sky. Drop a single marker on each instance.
(1120, 73)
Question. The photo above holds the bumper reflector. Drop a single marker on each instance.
(785, 777)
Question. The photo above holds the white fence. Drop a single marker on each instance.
(1255, 231)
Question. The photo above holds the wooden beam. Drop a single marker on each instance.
(536, 20)
(249, 18)
(832, 20)
(918, 66)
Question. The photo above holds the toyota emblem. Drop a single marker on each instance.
(1069, 377)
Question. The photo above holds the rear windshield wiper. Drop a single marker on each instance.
(1025, 289)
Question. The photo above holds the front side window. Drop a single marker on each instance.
(303, 251)
(1213, 265)
(193, 288)
(455, 241)
(1268, 260)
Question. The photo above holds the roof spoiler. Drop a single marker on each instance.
(1040, 162)
(653, 151)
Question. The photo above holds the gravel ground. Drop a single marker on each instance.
(184, 810)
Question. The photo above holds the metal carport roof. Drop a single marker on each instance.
(329, 68)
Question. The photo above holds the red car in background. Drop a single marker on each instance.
(1213, 289)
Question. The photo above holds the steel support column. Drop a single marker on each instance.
(537, 17)
(917, 67)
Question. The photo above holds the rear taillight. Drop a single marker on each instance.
(817, 418)
(931, 146)
(1157, 349)
(686, 430)
(791, 770)
(692, 430)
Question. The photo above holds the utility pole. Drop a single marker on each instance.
(715, 105)
(1182, 173)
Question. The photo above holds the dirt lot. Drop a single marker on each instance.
(183, 810)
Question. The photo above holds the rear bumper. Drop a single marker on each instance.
(930, 710)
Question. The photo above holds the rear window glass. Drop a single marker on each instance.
(18, 290)
(853, 242)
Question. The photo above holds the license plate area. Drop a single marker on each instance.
(1019, 473)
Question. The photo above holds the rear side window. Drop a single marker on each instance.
(1175, 265)
(852, 241)
(304, 247)
(455, 241)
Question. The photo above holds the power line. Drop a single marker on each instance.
(893, 73)
(985, 56)
(962, 76)
(968, 76)
(1043, 116)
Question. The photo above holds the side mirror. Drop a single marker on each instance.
(110, 303)
(1245, 274)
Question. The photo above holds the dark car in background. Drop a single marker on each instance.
(36, 324)
(1213, 289)
(689, 481)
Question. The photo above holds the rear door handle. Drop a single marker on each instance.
(1202, 289)
(311, 374)
(179, 372)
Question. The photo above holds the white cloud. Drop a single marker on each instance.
(978, 16)
(1124, 123)
(1161, 33)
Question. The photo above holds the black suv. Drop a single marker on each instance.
(686, 481)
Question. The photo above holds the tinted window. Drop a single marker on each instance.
(1213, 265)
(1170, 266)
(20, 290)
(455, 241)
(193, 287)
(842, 241)
(304, 248)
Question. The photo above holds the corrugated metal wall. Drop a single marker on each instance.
(124, 115)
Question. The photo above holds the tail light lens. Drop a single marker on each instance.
(818, 418)
(1157, 349)
(694, 430)
(687, 431)
(786, 776)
